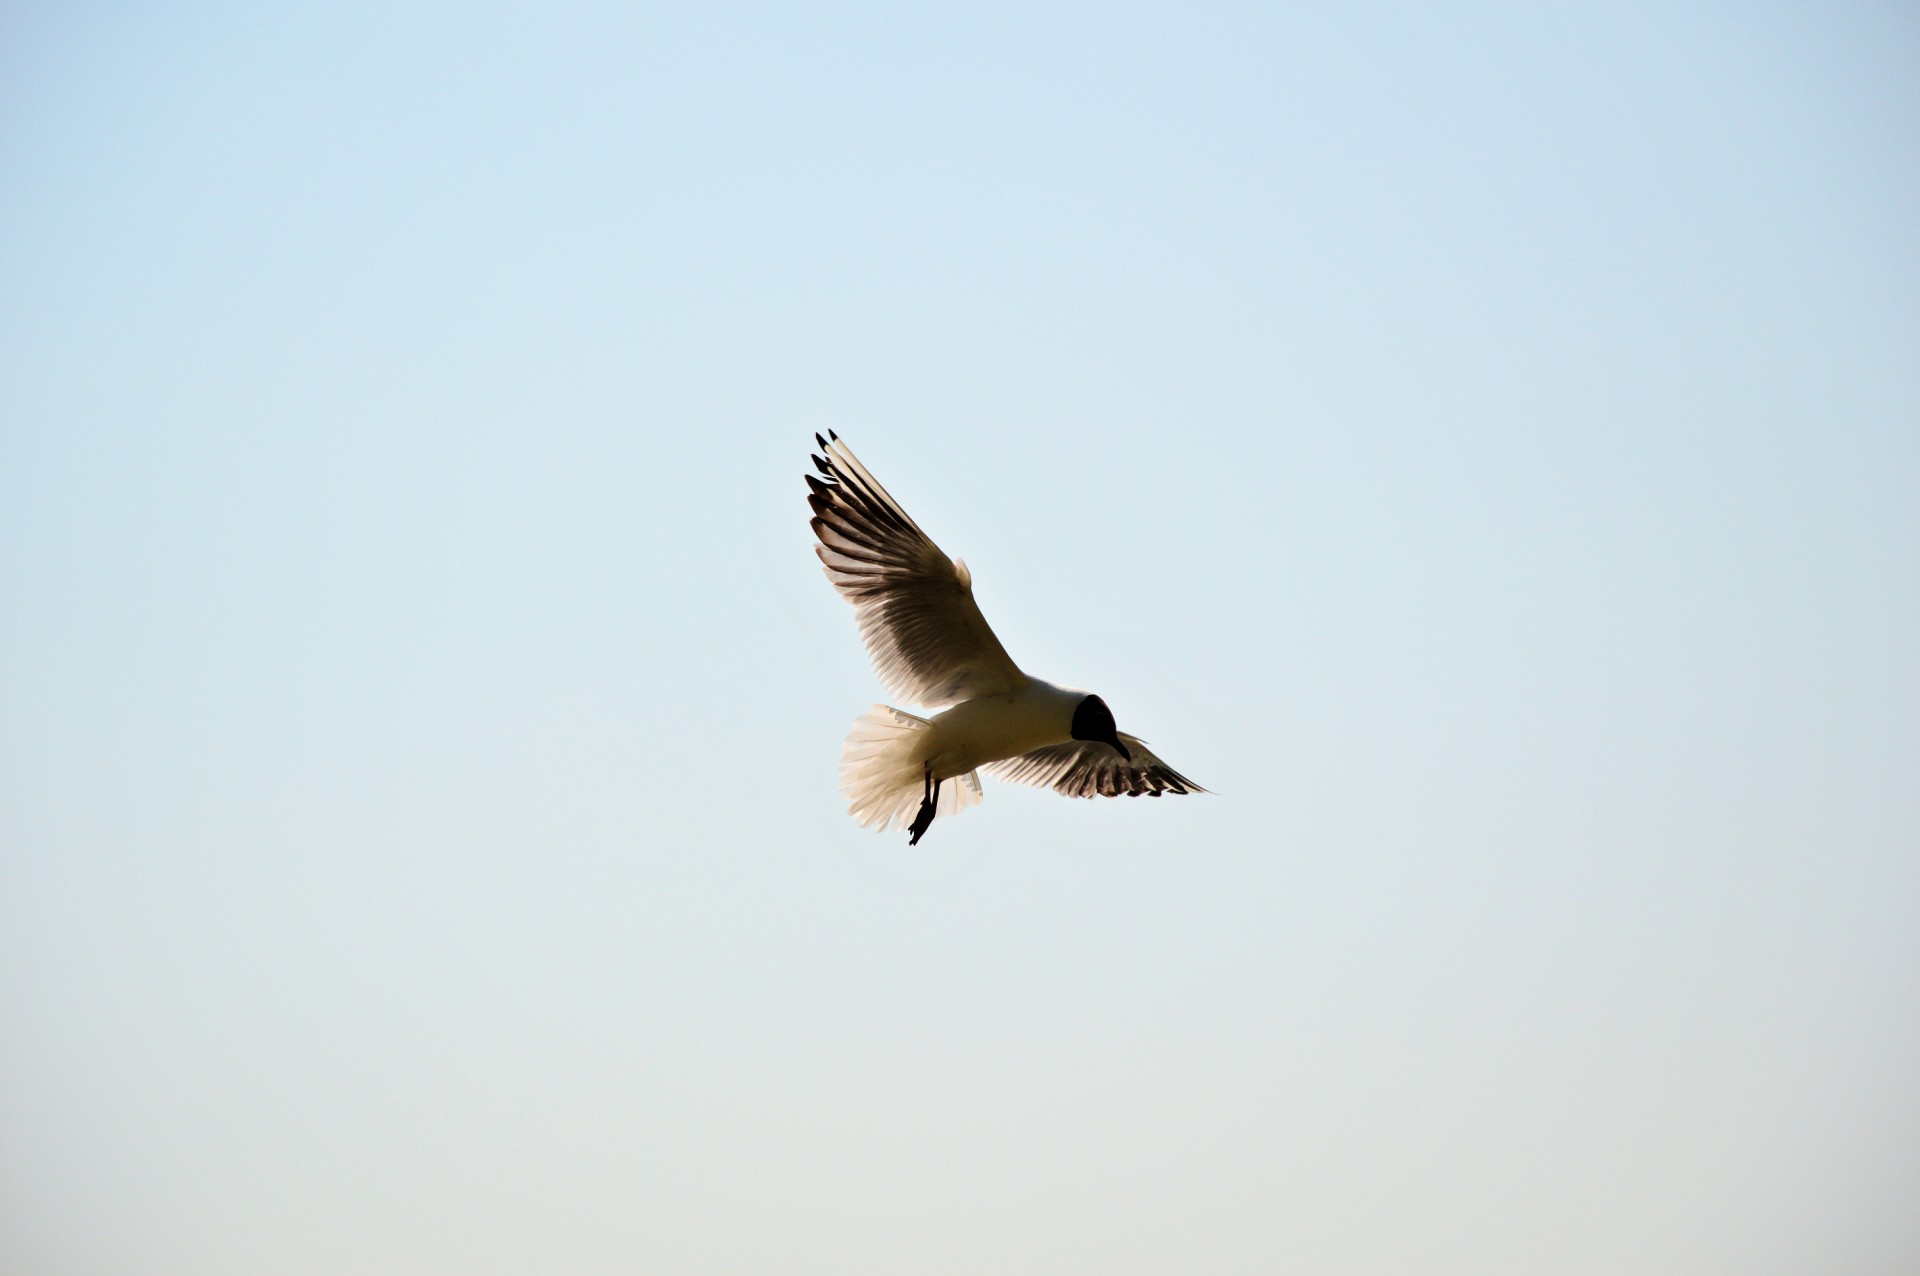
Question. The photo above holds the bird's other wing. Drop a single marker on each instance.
(927, 638)
(1091, 768)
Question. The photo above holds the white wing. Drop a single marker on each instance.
(927, 638)
(1090, 768)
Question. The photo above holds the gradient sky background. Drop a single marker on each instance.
(1483, 444)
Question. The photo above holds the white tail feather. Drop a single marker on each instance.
(882, 771)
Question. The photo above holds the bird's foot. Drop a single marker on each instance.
(929, 799)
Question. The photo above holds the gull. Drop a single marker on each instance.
(930, 645)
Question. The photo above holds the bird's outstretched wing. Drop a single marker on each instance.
(1091, 768)
(927, 638)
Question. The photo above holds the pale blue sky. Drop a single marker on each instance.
(1481, 442)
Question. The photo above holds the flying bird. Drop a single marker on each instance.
(930, 645)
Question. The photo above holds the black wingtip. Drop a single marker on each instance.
(817, 439)
(833, 436)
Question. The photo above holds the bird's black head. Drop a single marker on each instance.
(1092, 720)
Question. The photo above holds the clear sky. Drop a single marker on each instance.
(1481, 442)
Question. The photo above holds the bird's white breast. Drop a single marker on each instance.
(990, 728)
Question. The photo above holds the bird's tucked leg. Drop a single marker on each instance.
(929, 798)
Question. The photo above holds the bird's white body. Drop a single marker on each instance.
(994, 727)
(931, 645)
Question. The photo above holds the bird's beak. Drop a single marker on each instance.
(1115, 742)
